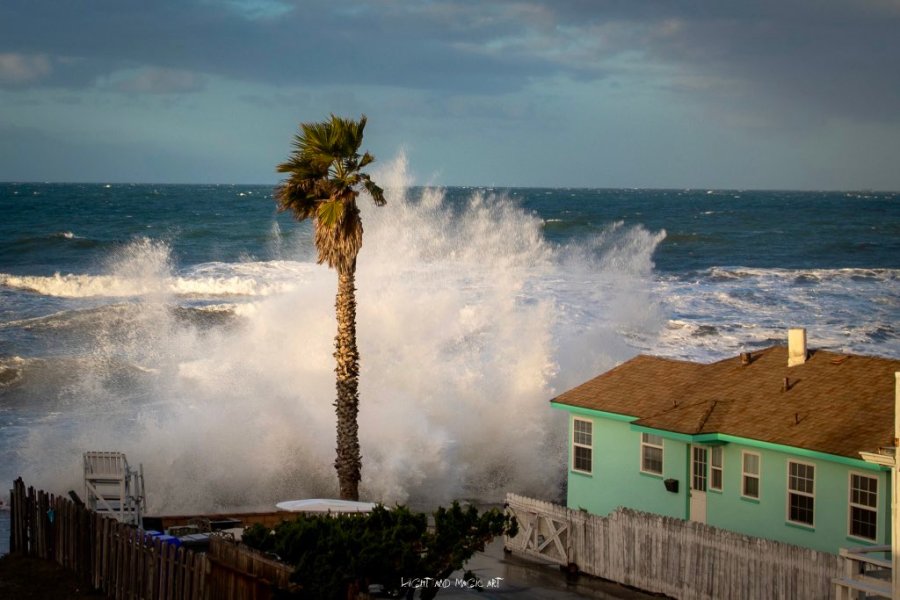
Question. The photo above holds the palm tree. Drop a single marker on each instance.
(324, 178)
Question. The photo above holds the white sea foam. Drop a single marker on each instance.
(851, 310)
(468, 323)
(252, 279)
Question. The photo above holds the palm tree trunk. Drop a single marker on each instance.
(348, 461)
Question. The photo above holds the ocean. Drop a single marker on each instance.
(189, 326)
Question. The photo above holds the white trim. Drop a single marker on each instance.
(662, 453)
(757, 475)
(720, 468)
(789, 491)
(575, 444)
(851, 504)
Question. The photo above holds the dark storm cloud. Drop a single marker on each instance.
(316, 42)
(830, 57)
(835, 57)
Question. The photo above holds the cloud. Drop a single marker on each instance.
(21, 69)
(152, 80)
(259, 9)
(770, 59)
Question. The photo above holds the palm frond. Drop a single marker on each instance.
(330, 213)
(376, 192)
(323, 178)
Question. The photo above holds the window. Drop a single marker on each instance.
(717, 457)
(801, 493)
(582, 445)
(698, 469)
(863, 506)
(750, 475)
(651, 454)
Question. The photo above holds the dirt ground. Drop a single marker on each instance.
(24, 578)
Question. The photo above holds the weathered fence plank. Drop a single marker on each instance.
(123, 563)
(683, 559)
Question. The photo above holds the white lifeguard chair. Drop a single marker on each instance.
(112, 488)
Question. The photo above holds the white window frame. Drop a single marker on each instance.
(789, 491)
(662, 454)
(851, 504)
(757, 475)
(590, 446)
(720, 468)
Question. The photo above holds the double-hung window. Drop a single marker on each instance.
(651, 454)
(801, 493)
(716, 465)
(750, 475)
(863, 506)
(582, 445)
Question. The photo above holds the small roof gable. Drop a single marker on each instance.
(835, 403)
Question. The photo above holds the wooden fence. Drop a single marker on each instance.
(682, 559)
(237, 573)
(124, 563)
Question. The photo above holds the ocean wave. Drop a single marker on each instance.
(242, 280)
(11, 370)
(64, 318)
(50, 241)
(730, 309)
(803, 276)
(122, 314)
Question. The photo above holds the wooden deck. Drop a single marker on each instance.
(267, 519)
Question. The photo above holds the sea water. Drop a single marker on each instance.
(190, 326)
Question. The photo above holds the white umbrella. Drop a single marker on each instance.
(322, 505)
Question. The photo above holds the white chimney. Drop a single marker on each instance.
(796, 346)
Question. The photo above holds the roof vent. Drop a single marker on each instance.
(745, 358)
(796, 346)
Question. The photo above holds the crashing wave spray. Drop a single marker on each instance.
(469, 321)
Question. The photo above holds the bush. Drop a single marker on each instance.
(340, 556)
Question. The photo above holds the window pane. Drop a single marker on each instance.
(715, 479)
(583, 432)
(864, 490)
(698, 482)
(863, 522)
(716, 458)
(751, 464)
(652, 439)
(801, 509)
(751, 487)
(582, 459)
(652, 459)
(801, 477)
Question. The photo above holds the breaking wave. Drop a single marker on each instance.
(468, 323)
(216, 279)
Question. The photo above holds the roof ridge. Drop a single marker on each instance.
(707, 414)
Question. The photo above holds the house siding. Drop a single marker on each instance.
(768, 517)
(616, 480)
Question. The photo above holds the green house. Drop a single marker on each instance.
(769, 443)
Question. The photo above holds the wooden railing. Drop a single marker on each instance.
(867, 573)
(679, 558)
(124, 563)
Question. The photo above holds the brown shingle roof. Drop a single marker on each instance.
(836, 403)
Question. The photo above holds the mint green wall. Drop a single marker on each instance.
(768, 517)
(617, 481)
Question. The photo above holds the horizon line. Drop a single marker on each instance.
(485, 187)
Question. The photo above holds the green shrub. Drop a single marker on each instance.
(336, 557)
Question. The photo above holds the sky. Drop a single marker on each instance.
(768, 94)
